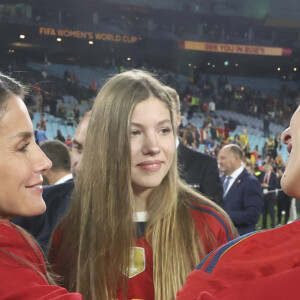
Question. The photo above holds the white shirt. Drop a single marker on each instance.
(234, 176)
(140, 216)
(64, 179)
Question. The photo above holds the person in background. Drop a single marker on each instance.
(59, 154)
(59, 136)
(244, 140)
(266, 123)
(283, 201)
(134, 230)
(43, 122)
(40, 135)
(23, 273)
(58, 196)
(269, 183)
(199, 170)
(243, 197)
(261, 265)
(69, 141)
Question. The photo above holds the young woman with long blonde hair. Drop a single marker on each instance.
(134, 229)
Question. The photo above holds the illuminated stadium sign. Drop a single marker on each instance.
(67, 33)
(232, 48)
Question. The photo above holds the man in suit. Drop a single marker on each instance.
(57, 197)
(269, 183)
(243, 195)
(59, 154)
(199, 170)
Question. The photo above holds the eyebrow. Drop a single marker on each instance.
(76, 142)
(23, 135)
(159, 123)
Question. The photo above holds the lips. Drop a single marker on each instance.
(151, 166)
(37, 185)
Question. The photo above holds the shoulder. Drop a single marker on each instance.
(14, 243)
(206, 215)
(183, 150)
(258, 249)
(249, 177)
(214, 259)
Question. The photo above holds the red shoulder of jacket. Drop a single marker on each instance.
(13, 242)
(205, 213)
(249, 263)
(21, 263)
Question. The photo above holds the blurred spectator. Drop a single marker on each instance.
(232, 124)
(244, 141)
(40, 135)
(266, 126)
(212, 107)
(59, 136)
(269, 183)
(76, 112)
(70, 117)
(270, 145)
(43, 122)
(69, 141)
(61, 113)
(283, 201)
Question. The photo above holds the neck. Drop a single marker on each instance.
(236, 167)
(140, 198)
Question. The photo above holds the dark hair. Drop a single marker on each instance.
(58, 153)
(9, 87)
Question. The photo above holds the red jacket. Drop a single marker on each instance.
(18, 279)
(141, 285)
(261, 265)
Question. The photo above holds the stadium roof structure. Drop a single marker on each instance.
(92, 31)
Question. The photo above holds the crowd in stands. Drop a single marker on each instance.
(200, 96)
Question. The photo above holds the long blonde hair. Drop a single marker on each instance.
(98, 231)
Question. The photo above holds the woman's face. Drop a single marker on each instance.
(152, 144)
(291, 137)
(22, 163)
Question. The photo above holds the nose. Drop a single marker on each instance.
(42, 162)
(150, 144)
(286, 136)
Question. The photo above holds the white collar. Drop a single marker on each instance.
(236, 173)
(140, 216)
(64, 179)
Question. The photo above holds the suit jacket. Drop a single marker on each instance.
(200, 170)
(273, 183)
(57, 198)
(244, 202)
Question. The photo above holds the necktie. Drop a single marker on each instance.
(225, 184)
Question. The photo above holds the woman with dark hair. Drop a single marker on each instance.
(23, 273)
